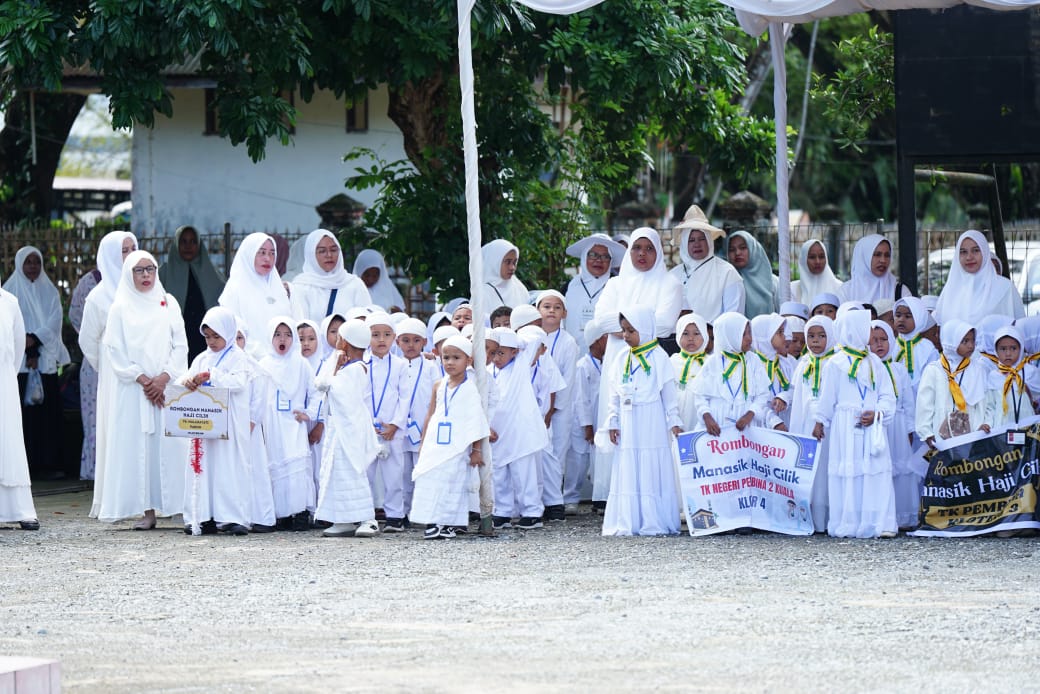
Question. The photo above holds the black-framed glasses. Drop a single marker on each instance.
(592, 255)
(147, 270)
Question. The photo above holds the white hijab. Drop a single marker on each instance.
(973, 379)
(654, 287)
(384, 292)
(763, 328)
(810, 285)
(512, 291)
(865, 286)
(822, 321)
(41, 308)
(971, 296)
(110, 265)
(922, 320)
(312, 275)
(250, 296)
(854, 332)
(283, 369)
(702, 328)
(142, 323)
(704, 281)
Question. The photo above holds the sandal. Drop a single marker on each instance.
(29, 524)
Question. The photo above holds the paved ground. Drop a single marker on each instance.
(560, 609)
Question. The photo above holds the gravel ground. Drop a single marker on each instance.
(559, 609)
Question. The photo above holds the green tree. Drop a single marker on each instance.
(629, 73)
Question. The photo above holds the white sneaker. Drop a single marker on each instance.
(570, 509)
(339, 530)
(369, 528)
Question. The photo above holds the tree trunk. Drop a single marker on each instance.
(31, 187)
(420, 110)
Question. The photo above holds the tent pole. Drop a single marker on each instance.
(778, 44)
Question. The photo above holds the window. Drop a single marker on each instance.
(357, 115)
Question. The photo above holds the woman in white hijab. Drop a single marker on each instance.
(16, 503)
(324, 286)
(112, 251)
(814, 272)
(974, 289)
(711, 286)
(597, 253)
(501, 286)
(44, 351)
(871, 280)
(147, 348)
(254, 291)
(371, 268)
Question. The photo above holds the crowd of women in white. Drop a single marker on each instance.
(341, 405)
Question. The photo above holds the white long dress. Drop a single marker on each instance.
(16, 503)
(686, 369)
(350, 446)
(222, 491)
(643, 499)
(313, 287)
(144, 335)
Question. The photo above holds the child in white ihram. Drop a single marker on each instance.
(388, 406)
(218, 494)
(309, 334)
(417, 382)
(518, 434)
(642, 419)
(586, 406)
(351, 444)
(453, 430)
(906, 481)
(820, 341)
(691, 332)
(770, 344)
(912, 349)
(1013, 378)
(289, 391)
(856, 402)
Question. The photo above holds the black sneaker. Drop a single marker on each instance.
(261, 528)
(529, 523)
(500, 522)
(235, 529)
(460, 529)
(394, 525)
(301, 521)
(448, 532)
(432, 532)
(555, 513)
(598, 507)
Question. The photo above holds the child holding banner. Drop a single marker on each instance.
(732, 390)
(218, 483)
(691, 332)
(642, 407)
(856, 403)
(906, 479)
(820, 341)
(1013, 379)
(952, 401)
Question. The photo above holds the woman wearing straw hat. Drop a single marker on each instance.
(598, 254)
(711, 286)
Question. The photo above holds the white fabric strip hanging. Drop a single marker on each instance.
(778, 44)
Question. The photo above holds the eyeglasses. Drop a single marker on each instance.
(149, 270)
(326, 251)
(598, 256)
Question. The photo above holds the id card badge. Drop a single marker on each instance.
(444, 433)
(1016, 438)
(626, 403)
(587, 314)
(413, 433)
(282, 404)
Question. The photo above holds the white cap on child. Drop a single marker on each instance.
(356, 332)
(411, 326)
(523, 315)
(380, 318)
(467, 331)
(444, 332)
(794, 308)
(397, 317)
(532, 333)
(506, 338)
(550, 292)
(460, 343)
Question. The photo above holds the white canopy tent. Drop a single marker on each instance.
(754, 16)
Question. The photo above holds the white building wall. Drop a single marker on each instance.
(181, 176)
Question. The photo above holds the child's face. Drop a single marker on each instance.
(308, 340)
(240, 340)
(745, 342)
(599, 347)
(500, 322)
(503, 355)
(932, 335)
(215, 342)
(778, 341)
(463, 316)
(691, 339)
(282, 339)
(382, 338)
(332, 334)
(829, 310)
(454, 361)
(489, 350)
(796, 344)
(967, 345)
(553, 313)
(1008, 350)
(904, 320)
(816, 340)
(411, 345)
(629, 334)
(879, 342)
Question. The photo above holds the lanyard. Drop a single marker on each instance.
(595, 362)
(389, 364)
(222, 355)
(416, 386)
(552, 350)
(534, 374)
(591, 296)
(448, 399)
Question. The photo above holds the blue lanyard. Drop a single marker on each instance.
(732, 392)
(389, 364)
(222, 355)
(534, 374)
(552, 350)
(416, 386)
(453, 394)
(595, 362)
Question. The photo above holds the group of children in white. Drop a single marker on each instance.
(368, 409)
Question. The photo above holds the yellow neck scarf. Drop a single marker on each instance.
(906, 352)
(774, 371)
(857, 357)
(814, 370)
(689, 359)
(951, 377)
(1012, 377)
(639, 352)
(730, 361)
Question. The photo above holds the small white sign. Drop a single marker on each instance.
(196, 414)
